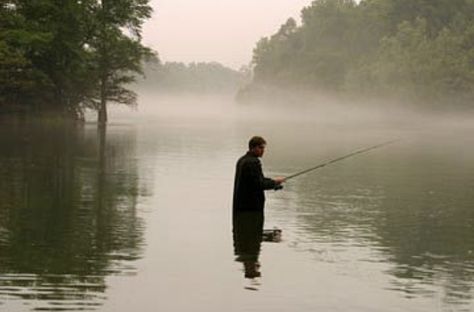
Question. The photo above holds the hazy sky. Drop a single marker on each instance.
(215, 30)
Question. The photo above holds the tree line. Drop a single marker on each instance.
(69, 55)
(421, 50)
(201, 77)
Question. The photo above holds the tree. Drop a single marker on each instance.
(422, 50)
(20, 79)
(117, 55)
(70, 55)
(46, 63)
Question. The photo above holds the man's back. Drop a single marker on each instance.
(250, 184)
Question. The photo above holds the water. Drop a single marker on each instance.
(139, 218)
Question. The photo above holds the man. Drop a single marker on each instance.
(249, 183)
(248, 206)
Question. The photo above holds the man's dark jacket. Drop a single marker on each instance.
(250, 184)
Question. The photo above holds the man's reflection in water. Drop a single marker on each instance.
(248, 230)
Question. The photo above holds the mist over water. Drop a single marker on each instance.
(388, 230)
(129, 208)
(395, 222)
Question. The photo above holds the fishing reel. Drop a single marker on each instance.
(278, 187)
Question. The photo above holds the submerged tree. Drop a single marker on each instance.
(44, 63)
(118, 52)
(70, 55)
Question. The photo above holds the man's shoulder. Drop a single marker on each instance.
(248, 159)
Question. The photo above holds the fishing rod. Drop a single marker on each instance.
(331, 161)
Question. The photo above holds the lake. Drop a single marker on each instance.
(138, 218)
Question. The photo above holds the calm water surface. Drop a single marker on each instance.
(139, 218)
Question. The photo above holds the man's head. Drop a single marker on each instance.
(257, 146)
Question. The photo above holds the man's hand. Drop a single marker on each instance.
(279, 180)
(278, 187)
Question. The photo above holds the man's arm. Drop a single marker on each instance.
(257, 178)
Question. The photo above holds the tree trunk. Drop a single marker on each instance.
(102, 118)
(103, 69)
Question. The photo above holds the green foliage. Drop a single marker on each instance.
(415, 65)
(416, 49)
(68, 55)
(116, 59)
(20, 44)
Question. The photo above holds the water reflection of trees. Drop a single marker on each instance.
(68, 212)
(417, 214)
(426, 225)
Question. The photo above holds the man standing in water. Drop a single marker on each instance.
(249, 183)
(248, 206)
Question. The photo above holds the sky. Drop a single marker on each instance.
(225, 31)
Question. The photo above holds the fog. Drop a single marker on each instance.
(286, 82)
(133, 211)
(389, 228)
(319, 110)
